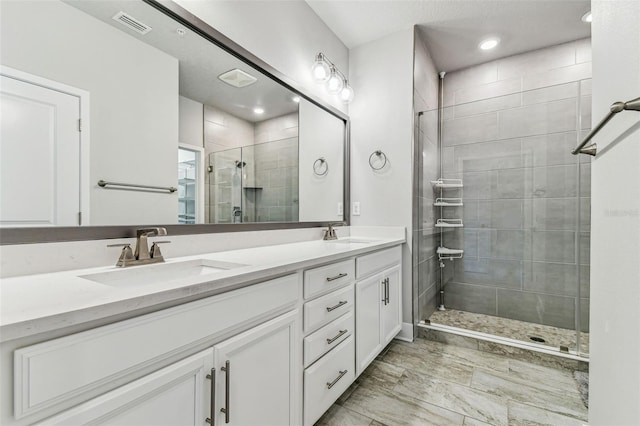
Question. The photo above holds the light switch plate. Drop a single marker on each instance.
(355, 210)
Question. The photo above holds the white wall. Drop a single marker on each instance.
(285, 34)
(322, 135)
(615, 219)
(191, 122)
(134, 101)
(381, 73)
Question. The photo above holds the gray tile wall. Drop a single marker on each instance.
(425, 240)
(509, 126)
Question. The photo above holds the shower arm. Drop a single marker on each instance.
(616, 107)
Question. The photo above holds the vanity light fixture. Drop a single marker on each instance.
(489, 43)
(325, 71)
(587, 18)
(258, 110)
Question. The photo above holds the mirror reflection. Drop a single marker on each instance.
(175, 129)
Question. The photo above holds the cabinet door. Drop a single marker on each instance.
(175, 395)
(392, 308)
(368, 316)
(258, 375)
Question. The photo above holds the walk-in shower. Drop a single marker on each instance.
(504, 211)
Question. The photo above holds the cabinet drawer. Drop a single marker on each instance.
(374, 262)
(325, 309)
(326, 278)
(71, 369)
(327, 379)
(327, 338)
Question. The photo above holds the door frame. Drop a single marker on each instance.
(200, 184)
(85, 129)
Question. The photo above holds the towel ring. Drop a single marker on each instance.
(378, 153)
(318, 167)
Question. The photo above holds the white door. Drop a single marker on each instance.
(39, 155)
(175, 395)
(368, 311)
(392, 309)
(257, 375)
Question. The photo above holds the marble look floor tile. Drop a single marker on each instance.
(469, 421)
(531, 356)
(391, 409)
(461, 399)
(449, 338)
(435, 364)
(549, 397)
(558, 378)
(340, 416)
(376, 423)
(381, 374)
(527, 415)
(471, 357)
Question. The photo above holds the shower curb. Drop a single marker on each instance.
(485, 343)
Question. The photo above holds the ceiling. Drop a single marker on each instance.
(452, 29)
(200, 63)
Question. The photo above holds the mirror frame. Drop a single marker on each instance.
(10, 236)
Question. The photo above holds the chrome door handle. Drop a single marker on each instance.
(341, 333)
(212, 410)
(387, 286)
(330, 384)
(341, 303)
(342, 275)
(384, 291)
(227, 375)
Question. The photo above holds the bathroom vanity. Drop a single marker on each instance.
(268, 335)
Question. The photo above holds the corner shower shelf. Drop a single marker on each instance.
(448, 253)
(447, 183)
(448, 202)
(449, 223)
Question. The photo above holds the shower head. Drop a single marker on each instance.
(633, 105)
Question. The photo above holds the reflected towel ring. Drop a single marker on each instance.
(318, 167)
(379, 154)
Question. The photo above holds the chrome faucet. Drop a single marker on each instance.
(142, 255)
(330, 233)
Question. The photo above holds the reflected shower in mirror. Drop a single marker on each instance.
(120, 91)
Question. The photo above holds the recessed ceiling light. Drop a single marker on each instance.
(489, 43)
(258, 110)
(296, 99)
(587, 17)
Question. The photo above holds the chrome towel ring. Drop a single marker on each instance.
(380, 155)
(320, 167)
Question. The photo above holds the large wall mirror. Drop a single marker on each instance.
(128, 113)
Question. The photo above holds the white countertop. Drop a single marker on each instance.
(34, 304)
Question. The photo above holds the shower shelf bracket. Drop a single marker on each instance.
(445, 253)
(447, 183)
(449, 223)
(448, 202)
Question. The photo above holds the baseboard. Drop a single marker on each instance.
(406, 332)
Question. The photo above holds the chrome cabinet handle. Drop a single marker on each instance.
(330, 384)
(342, 275)
(227, 375)
(212, 409)
(341, 333)
(384, 291)
(341, 303)
(387, 286)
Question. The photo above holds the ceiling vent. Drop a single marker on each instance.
(237, 78)
(131, 23)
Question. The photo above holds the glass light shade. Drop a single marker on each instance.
(335, 82)
(320, 70)
(347, 93)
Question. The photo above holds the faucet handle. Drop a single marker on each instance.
(155, 252)
(126, 255)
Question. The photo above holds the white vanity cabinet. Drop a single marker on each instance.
(378, 303)
(263, 353)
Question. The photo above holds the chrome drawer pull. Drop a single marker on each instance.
(227, 374)
(342, 275)
(342, 373)
(342, 332)
(212, 409)
(341, 303)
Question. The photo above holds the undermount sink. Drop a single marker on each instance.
(159, 273)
